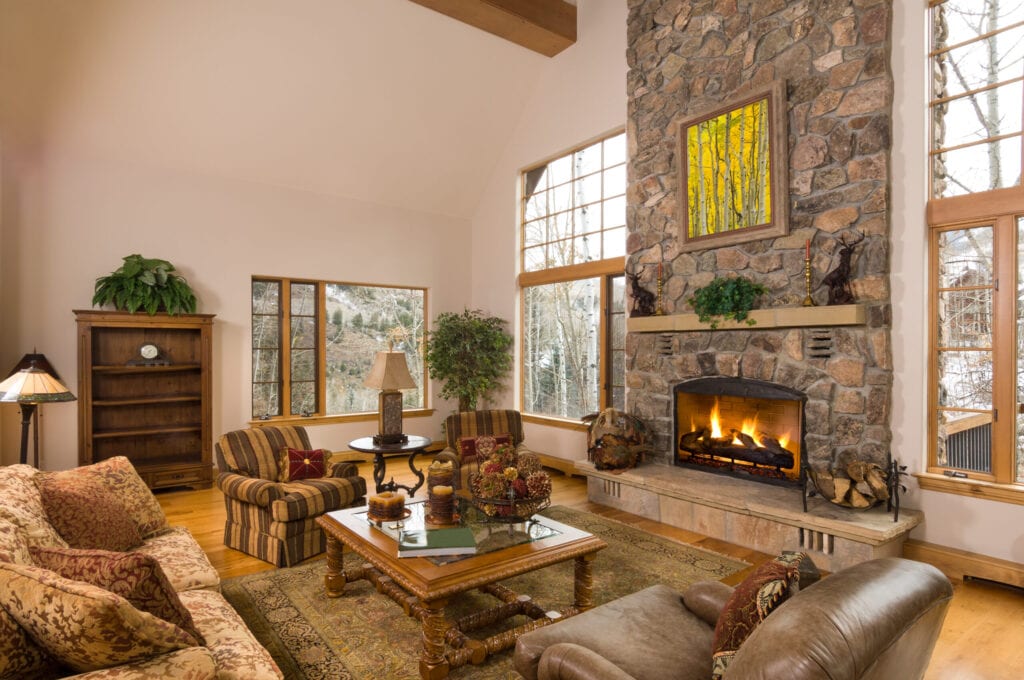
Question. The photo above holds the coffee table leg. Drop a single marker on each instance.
(433, 664)
(583, 582)
(334, 580)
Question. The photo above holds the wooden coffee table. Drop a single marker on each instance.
(423, 586)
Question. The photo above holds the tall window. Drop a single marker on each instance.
(573, 238)
(976, 219)
(313, 343)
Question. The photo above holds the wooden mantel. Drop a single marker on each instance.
(544, 26)
(776, 317)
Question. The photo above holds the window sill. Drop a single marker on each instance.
(1006, 493)
(309, 421)
(551, 421)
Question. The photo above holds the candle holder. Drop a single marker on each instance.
(808, 300)
(660, 310)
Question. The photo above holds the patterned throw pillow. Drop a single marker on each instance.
(13, 544)
(119, 476)
(760, 594)
(81, 625)
(20, 656)
(472, 448)
(86, 514)
(136, 577)
(294, 464)
(23, 507)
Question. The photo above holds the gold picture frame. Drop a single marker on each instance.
(733, 171)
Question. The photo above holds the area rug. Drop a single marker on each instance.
(364, 634)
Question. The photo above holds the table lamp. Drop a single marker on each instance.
(32, 382)
(389, 374)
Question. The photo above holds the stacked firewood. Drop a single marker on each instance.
(862, 486)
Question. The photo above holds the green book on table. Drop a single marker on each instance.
(431, 542)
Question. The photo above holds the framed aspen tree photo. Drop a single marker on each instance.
(733, 171)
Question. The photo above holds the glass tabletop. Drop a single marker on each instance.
(490, 535)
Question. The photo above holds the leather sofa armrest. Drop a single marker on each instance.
(568, 661)
(345, 468)
(706, 599)
(261, 492)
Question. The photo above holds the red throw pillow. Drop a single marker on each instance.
(759, 595)
(295, 464)
(471, 448)
(135, 576)
(87, 514)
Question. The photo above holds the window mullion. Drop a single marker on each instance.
(321, 348)
(1003, 355)
(286, 347)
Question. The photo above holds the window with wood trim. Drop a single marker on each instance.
(313, 343)
(976, 245)
(572, 255)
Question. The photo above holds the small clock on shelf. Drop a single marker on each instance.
(149, 355)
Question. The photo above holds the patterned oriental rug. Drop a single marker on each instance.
(364, 634)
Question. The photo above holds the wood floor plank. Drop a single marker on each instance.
(981, 639)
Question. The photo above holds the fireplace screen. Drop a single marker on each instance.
(740, 426)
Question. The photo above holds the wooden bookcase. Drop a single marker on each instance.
(157, 413)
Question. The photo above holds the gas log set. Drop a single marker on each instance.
(763, 453)
(740, 426)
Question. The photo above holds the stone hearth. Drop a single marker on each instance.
(758, 516)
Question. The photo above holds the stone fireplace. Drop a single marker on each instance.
(686, 58)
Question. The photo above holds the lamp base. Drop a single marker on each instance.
(389, 439)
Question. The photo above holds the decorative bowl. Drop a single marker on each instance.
(510, 509)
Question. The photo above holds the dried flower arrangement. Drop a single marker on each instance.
(510, 486)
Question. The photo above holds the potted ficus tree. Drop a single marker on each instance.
(148, 284)
(470, 354)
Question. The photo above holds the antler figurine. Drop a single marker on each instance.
(838, 280)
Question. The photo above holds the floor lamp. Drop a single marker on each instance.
(32, 382)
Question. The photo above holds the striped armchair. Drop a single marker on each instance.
(271, 520)
(475, 424)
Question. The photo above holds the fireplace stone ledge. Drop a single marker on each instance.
(760, 516)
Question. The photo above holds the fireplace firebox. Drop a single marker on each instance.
(742, 427)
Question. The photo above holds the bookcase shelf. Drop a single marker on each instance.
(158, 415)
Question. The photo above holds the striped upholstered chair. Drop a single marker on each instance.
(276, 521)
(493, 422)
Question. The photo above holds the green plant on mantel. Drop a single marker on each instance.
(145, 283)
(726, 298)
(469, 352)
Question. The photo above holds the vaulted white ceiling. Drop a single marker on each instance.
(378, 100)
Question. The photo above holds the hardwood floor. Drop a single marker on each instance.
(981, 639)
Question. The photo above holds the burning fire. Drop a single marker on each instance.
(748, 427)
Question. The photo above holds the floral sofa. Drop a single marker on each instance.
(95, 584)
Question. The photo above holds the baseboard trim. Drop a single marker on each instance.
(956, 563)
(566, 467)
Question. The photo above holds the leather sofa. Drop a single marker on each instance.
(272, 520)
(876, 620)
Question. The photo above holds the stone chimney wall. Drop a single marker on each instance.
(689, 57)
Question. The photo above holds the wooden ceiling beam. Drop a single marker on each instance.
(544, 26)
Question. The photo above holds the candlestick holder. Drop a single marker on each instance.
(808, 300)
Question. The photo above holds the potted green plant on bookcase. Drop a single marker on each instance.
(149, 284)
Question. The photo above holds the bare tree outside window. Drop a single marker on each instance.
(334, 330)
(977, 73)
(574, 222)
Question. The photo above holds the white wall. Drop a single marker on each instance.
(580, 94)
(975, 525)
(83, 215)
